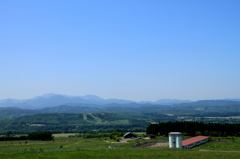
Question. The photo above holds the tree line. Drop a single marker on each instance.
(195, 128)
(37, 135)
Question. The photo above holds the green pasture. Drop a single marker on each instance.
(125, 153)
(60, 143)
(222, 143)
(77, 147)
(120, 122)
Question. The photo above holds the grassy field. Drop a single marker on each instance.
(65, 147)
(222, 143)
(230, 117)
(126, 153)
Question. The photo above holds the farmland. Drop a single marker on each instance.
(77, 147)
(126, 153)
(85, 127)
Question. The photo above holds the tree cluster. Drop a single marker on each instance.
(40, 135)
(195, 128)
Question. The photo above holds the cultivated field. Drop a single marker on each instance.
(63, 135)
(229, 117)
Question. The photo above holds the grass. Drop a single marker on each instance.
(125, 153)
(233, 117)
(64, 147)
(120, 122)
(225, 144)
(98, 120)
(65, 142)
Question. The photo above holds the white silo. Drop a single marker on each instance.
(175, 139)
(179, 141)
(171, 140)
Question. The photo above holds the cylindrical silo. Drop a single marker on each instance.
(175, 139)
(179, 141)
(170, 140)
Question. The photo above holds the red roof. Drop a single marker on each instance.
(193, 140)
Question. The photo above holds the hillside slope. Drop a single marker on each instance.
(71, 122)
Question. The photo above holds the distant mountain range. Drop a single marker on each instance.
(54, 100)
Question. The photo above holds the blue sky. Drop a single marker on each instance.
(135, 50)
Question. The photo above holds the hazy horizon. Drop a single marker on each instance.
(133, 50)
(116, 98)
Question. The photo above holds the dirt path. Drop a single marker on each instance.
(121, 141)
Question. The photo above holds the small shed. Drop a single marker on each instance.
(152, 136)
(129, 135)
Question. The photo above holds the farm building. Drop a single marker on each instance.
(129, 135)
(175, 140)
(194, 141)
(152, 136)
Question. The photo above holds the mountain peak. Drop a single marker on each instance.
(48, 95)
(92, 97)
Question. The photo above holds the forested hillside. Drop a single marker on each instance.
(151, 113)
(71, 122)
(16, 112)
(67, 118)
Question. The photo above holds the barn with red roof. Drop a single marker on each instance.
(194, 141)
(175, 140)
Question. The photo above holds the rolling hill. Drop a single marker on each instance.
(71, 122)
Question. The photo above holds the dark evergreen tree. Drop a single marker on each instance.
(40, 135)
(193, 128)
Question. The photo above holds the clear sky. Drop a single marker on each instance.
(126, 49)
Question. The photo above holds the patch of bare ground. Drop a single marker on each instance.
(155, 144)
(159, 145)
(169, 114)
(37, 125)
